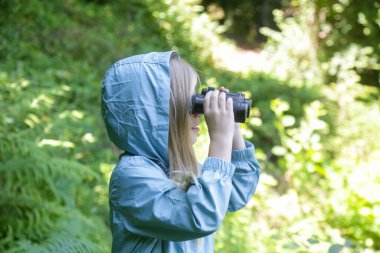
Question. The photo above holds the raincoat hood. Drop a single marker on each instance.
(135, 105)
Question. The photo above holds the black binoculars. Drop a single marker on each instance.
(241, 105)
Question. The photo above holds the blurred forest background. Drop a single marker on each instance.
(311, 68)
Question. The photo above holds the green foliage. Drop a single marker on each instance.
(313, 121)
(244, 18)
(347, 24)
(317, 194)
(43, 203)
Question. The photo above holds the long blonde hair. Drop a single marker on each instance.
(184, 80)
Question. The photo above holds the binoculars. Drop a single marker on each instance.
(241, 105)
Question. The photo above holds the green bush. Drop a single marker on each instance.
(313, 124)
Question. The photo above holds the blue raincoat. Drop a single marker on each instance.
(148, 213)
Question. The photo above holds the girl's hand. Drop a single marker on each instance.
(238, 140)
(222, 89)
(219, 118)
(219, 115)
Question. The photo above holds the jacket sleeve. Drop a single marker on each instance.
(245, 178)
(145, 202)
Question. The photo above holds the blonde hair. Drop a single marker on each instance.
(184, 80)
(183, 163)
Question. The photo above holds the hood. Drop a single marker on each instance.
(135, 105)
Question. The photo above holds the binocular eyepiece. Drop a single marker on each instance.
(241, 105)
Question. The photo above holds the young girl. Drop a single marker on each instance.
(161, 199)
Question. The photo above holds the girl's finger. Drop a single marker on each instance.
(222, 101)
(206, 103)
(230, 105)
(224, 89)
(214, 99)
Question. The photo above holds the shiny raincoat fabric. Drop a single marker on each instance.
(148, 213)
